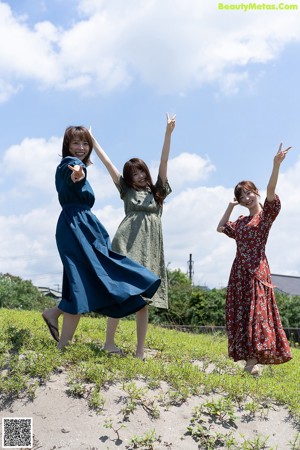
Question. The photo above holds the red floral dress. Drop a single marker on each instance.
(253, 322)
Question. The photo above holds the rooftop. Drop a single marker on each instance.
(50, 292)
(286, 283)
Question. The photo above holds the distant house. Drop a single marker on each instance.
(56, 295)
(287, 284)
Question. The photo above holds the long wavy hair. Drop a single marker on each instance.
(130, 168)
(77, 132)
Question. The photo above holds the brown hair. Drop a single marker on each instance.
(77, 132)
(244, 185)
(130, 168)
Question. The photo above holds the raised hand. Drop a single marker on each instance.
(281, 154)
(170, 123)
(278, 158)
(91, 134)
(77, 173)
(234, 202)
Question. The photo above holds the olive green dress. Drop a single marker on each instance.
(139, 235)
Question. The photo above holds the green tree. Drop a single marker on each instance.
(207, 307)
(16, 293)
(180, 291)
(289, 308)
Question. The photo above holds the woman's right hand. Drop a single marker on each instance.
(234, 202)
(77, 173)
(226, 215)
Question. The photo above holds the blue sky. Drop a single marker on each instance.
(231, 78)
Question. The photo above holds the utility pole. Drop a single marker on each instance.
(190, 268)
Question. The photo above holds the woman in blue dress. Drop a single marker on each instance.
(94, 277)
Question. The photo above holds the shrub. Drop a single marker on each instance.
(16, 293)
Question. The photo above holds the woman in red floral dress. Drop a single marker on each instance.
(253, 324)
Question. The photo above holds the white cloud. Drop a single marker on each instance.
(188, 168)
(28, 246)
(191, 213)
(173, 45)
(7, 90)
(31, 165)
(185, 169)
(27, 53)
(101, 182)
(190, 220)
(191, 217)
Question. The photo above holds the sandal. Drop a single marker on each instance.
(251, 366)
(116, 351)
(52, 328)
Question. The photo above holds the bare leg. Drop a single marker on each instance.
(70, 323)
(111, 328)
(141, 331)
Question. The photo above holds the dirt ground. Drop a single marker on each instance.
(64, 422)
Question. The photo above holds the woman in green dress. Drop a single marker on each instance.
(139, 235)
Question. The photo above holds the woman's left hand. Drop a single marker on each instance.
(281, 154)
(170, 123)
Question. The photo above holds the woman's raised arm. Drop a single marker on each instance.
(279, 157)
(112, 170)
(226, 215)
(162, 171)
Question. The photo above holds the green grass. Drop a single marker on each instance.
(28, 357)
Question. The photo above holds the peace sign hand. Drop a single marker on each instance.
(77, 173)
(281, 154)
(170, 123)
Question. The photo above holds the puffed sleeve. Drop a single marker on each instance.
(164, 190)
(229, 229)
(271, 210)
(121, 186)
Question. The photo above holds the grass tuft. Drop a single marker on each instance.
(177, 366)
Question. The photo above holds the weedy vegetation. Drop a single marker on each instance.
(178, 366)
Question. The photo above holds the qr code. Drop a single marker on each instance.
(17, 432)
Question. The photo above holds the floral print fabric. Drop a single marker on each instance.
(253, 322)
